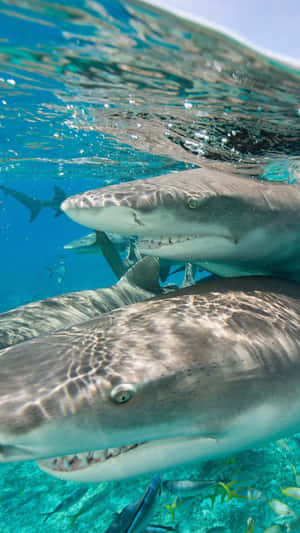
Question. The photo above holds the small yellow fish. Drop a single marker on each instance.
(274, 529)
(297, 476)
(251, 494)
(250, 525)
(292, 492)
(171, 508)
(281, 508)
(243, 493)
(231, 460)
(219, 491)
(283, 445)
(243, 478)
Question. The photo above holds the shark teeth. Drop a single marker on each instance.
(78, 461)
(165, 241)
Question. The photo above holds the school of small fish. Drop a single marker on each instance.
(137, 515)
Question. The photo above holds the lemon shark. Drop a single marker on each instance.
(46, 316)
(194, 375)
(227, 224)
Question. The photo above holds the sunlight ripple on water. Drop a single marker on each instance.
(155, 82)
(98, 92)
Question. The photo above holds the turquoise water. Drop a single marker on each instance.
(96, 93)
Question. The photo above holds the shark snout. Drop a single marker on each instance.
(108, 211)
(94, 199)
(115, 219)
(139, 208)
(100, 211)
(131, 195)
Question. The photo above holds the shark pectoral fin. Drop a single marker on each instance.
(165, 267)
(143, 274)
(133, 254)
(110, 253)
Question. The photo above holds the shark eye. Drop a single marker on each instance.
(194, 202)
(122, 393)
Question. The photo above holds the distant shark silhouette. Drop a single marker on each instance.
(34, 205)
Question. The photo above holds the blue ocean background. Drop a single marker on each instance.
(94, 93)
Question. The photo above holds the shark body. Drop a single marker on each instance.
(228, 225)
(49, 315)
(35, 205)
(89, 244)
(194, 375)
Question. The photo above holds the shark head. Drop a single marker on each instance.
(94, 396)
(202, 216)
(142, 207)
(169, 214)
(155, 385)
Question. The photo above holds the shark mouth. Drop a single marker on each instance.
(133, 459)
(195, 248)
(168, 240)
(79, 461)
(151, 244)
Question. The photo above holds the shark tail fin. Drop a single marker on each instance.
(32, 204)
(144, 274)
(34, 212)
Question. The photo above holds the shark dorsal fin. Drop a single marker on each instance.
(143, 274)
(59, 195)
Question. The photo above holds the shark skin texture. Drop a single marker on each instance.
(193, 375)
(47, 316)
(228, 225)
